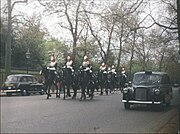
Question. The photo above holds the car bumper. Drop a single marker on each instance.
(142, 102)
(11, 91)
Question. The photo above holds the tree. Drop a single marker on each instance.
(60, 49)
(71, 10)
(29, 36)
(3, 35)
(8, 43)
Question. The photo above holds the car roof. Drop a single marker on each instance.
(150, 72)
(20, 75)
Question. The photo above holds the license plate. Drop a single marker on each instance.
(9, 87)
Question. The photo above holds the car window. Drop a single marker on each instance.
(146, 79)
(23, 79)
(34, 80)
(12, 79)
(30, 79)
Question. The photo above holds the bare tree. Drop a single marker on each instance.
(71, 10)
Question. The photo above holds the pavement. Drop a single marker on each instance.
(171, 126)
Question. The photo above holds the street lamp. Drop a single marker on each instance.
(27, 57)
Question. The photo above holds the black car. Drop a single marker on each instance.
(22, 83)
(150, 88)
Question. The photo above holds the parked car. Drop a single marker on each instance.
(151, 88)
(22, 83)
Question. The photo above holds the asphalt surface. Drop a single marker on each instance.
(103, 114)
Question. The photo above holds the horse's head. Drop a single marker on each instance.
(45, 71)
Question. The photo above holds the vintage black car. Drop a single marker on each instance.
(150, 88)
(22, 83)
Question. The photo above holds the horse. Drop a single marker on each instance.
(122, 81)
(51, 78)
(68, 82)
(103, 81)
(111, 81)
(86, 82)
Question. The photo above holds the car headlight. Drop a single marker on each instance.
(125, 90)
(157, 91)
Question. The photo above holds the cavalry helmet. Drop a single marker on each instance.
(113, 66)
(85, 57)
(103, 64)
(68, 57)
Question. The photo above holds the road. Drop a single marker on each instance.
(36, 114)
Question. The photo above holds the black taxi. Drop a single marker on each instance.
(24, 84)
(150, 88)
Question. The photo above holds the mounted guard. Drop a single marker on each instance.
(103, 78)
(86, 78)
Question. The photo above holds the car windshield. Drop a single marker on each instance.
(12, 79)
(146, 79)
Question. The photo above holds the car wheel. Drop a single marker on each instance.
(126, 105)
(24, 92)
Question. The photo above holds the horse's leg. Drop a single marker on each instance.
(82, 93)
(92, 93)
(48, 91)
(75, 92)
(101, 90)
(64, 89)
(92, 90)
(57, 90)
(68, 91)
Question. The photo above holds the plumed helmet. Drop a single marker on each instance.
(103, 64)
(85, 57)
(68, 58)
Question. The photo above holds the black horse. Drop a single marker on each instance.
(111, 81)
(103, 81)
(86, 82)
(68, 81)
(51, 78)
(122, 80)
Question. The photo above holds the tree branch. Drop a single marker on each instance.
(25, 1)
